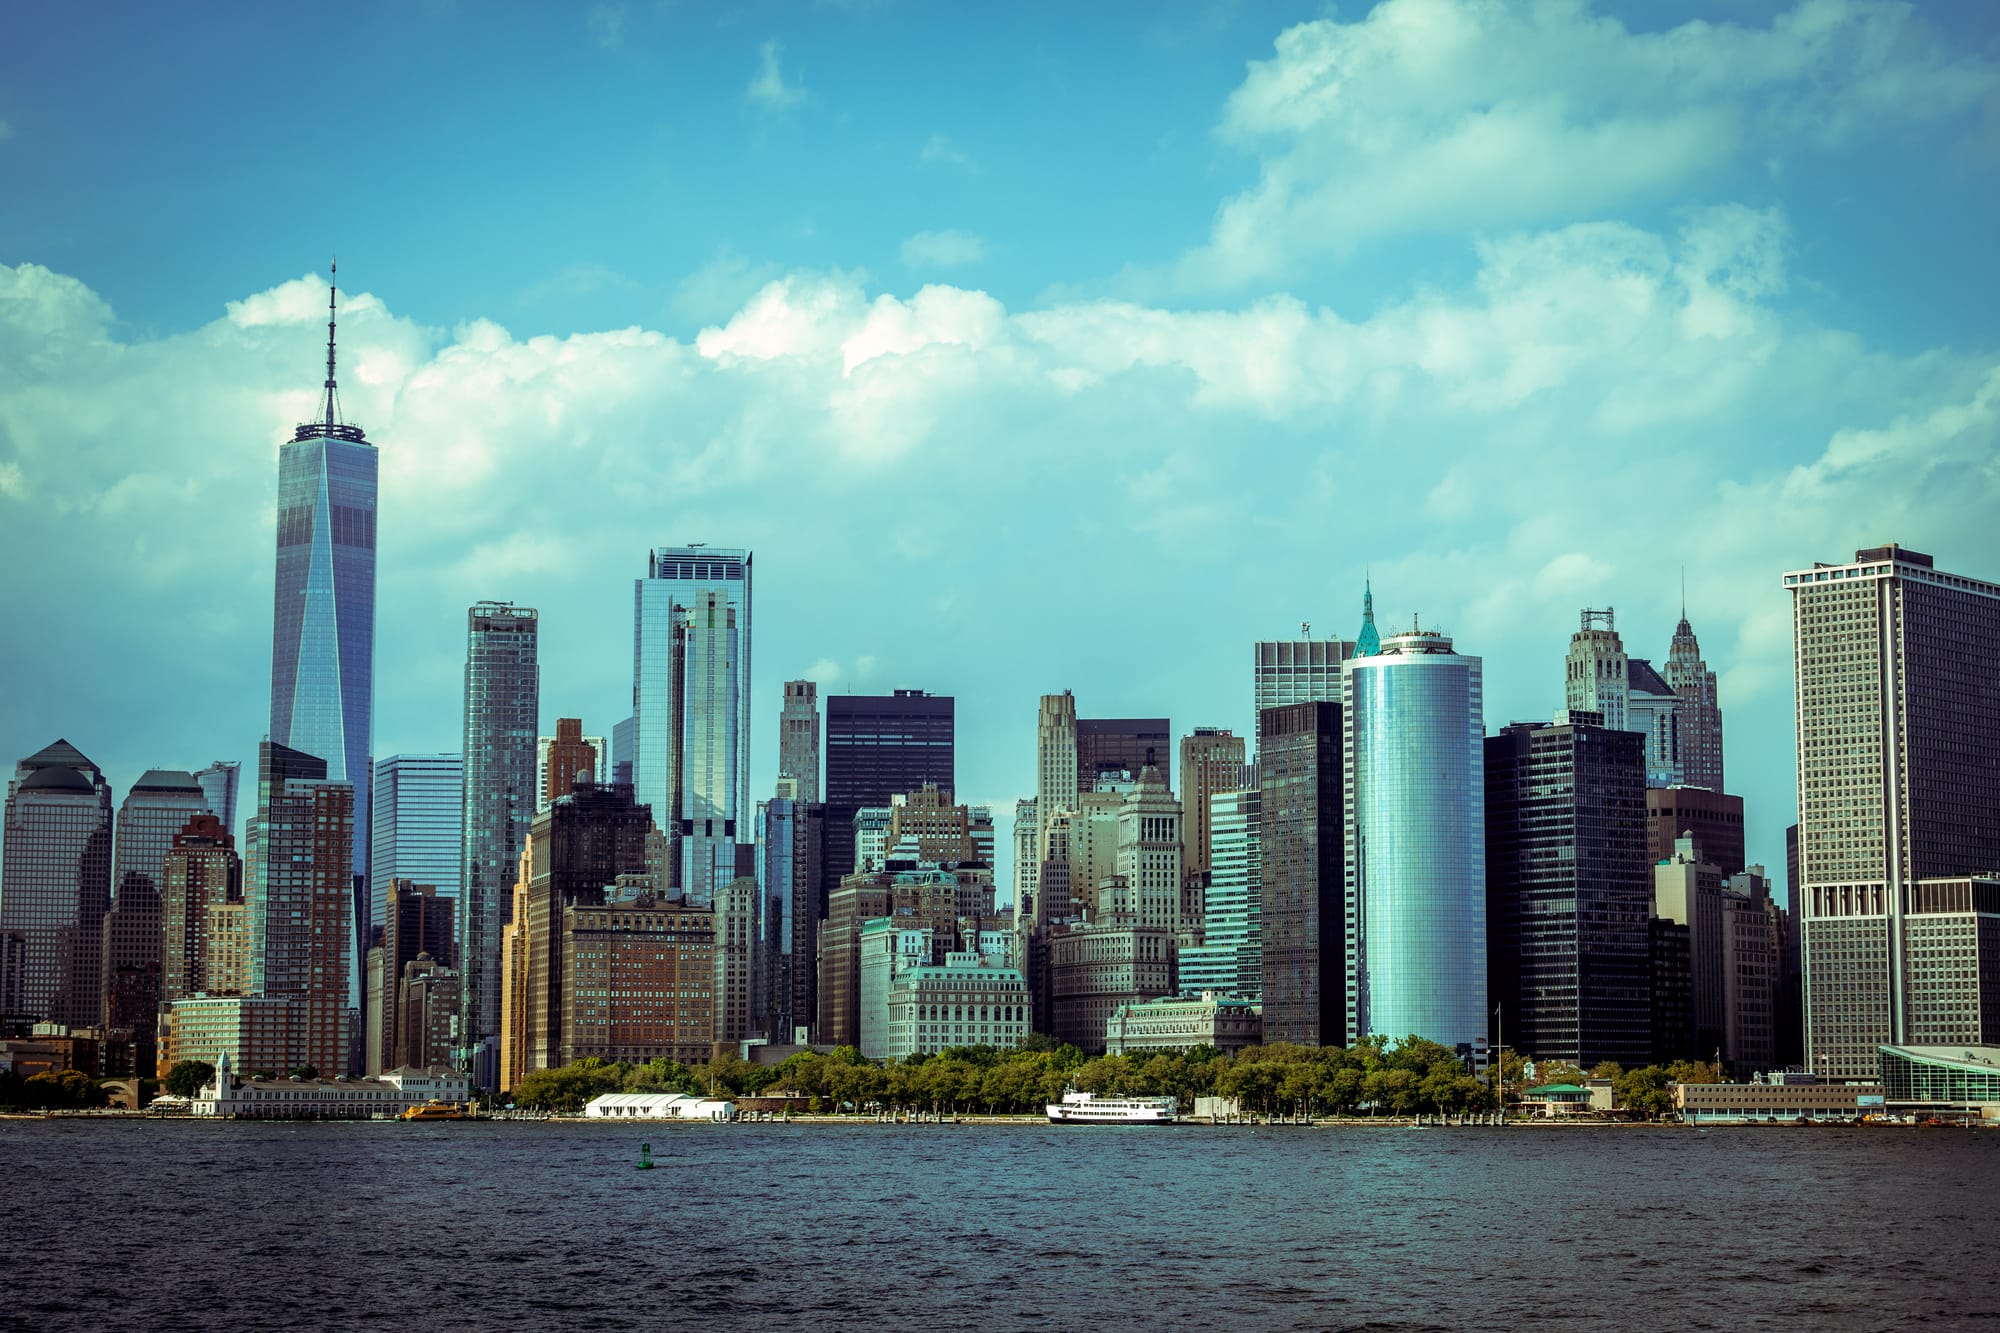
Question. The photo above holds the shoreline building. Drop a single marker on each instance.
(55, 885)
(502, 707)
(1306, 940)
(1898, 735)
(300, 899)
(1569, 891)
(691, 680)
(879, 746)
(323, 615)
(419, 826)
(1415, 843)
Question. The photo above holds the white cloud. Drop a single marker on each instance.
(939, 150)
(607, 25)
(942, 249)
(1463, 115)
(768, 88)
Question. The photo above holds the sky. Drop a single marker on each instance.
(1029, 347)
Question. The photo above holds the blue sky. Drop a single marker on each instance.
(1029, 348)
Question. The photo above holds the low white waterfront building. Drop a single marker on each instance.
(1183, 1022)
(658, 1106)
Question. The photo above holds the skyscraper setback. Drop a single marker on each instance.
(691, 708)
(502, 702)
(323, 607)
(1898, 787)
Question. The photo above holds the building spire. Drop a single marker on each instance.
(1369, 642)
(332, 413)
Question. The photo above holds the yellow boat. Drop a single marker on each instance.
(436, 1111)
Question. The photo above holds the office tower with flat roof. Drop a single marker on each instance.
(299, 899)
(418, 920)
(1714, 818)
(1597, 674)
(691, 706)
(419, 826)
(624, 748)
(926, 825)
(1108, 746)
(566, 758)
(879, 746)
(1569, 891)
(798, 738)
(1899, 784)
(502, 707)
(1294, 671)
(55, 884)
(1415, 843)
(201, 869)
(1229, 960)
(791, 839)
(1700, 712)
(157, 808)
(219, 783)
(581, 844)
(323, 606)
(1211, 761)
(1304, 968)
(641, 975)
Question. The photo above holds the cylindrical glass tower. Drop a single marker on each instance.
(1416, 842)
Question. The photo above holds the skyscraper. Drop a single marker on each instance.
(1415, 843)
(300, 899)
(1112, 745)
(1596, 675)
(1304, 956)
(201, 870)
(1149, 851)
(1569, 891)
(218, 784)
(323, 607)
(1211, 762)
(1899, 783)
(879, 746)
(798, 738)
(157, 808)
(419, 826)
(566, 758)
(1055, 774)
(417, 920)
(791, 840)
(1701, 714)
(691, 706)
(502, 706)
(55, 883)
(1295, 671)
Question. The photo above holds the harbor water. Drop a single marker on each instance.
(150, 1225)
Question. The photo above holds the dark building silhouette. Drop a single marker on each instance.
(1108, 746)
(1302, 831)
(1569, 891)
(877, 746)
(1714, 818)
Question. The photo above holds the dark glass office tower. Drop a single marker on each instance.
(1301, 827)
(502, 720)
(323, 609)
(1569, 892)
(55, 883)
(1106, 745)
(878, 745)
(791, 838)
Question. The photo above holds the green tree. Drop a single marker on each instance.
(188, 1077)
(305, 1071)
(1550, 1072)
(1695, 1071)
(67, 1089)
(565, 1090)
(661, 1075)
(1610, 1069)
(1648, 1092)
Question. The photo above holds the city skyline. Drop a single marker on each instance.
(1729, 362)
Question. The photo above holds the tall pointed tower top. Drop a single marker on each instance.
(1368, 642)
(329, 426)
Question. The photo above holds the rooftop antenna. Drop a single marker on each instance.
(1305, 629)
(1684, 592)
(332, 312)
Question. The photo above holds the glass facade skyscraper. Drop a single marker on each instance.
(323, 607)
(1304, 962)
(218, 783)
(691, 708)
(1570, 891)
(419, 826)
(791, 837)
(55, 883)
(1229, 960)
(879, 746)
(1416, 843)
(502, 721)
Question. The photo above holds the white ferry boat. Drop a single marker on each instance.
(1087, 1108)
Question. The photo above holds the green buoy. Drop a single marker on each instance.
(645, 1157)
